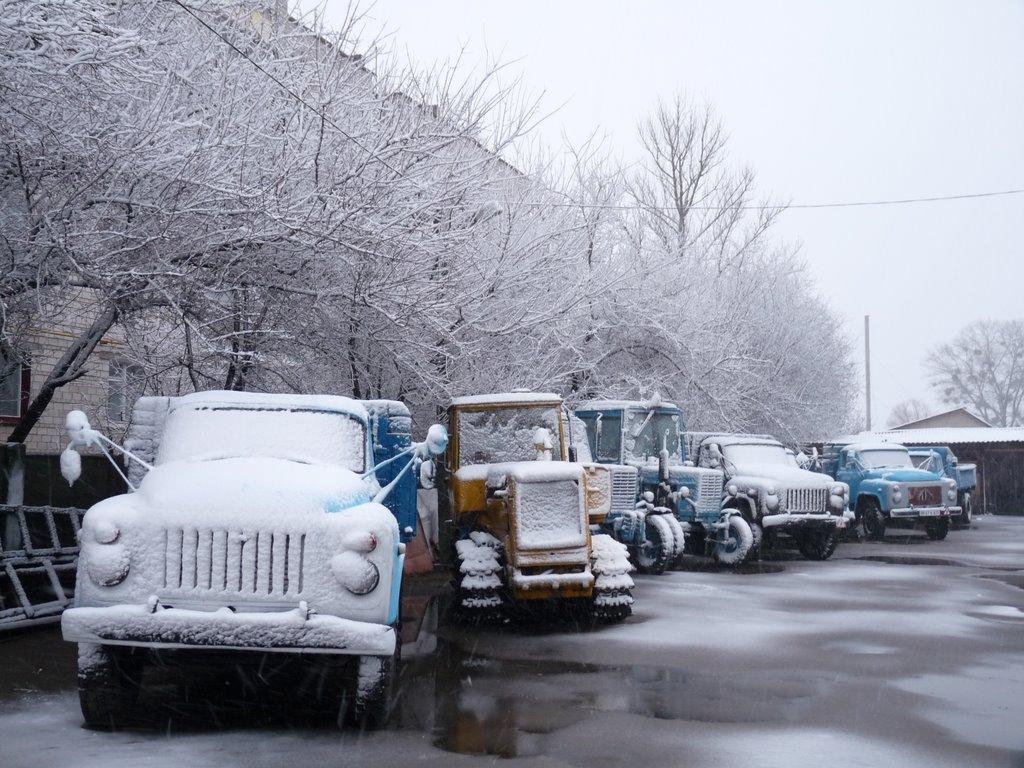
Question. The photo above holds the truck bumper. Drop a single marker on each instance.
(803, 520)
(294, 631)
(549, 586)
(912, 512)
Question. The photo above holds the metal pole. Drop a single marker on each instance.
(867, 367)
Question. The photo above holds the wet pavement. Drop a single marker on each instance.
(905, 652)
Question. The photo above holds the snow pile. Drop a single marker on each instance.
(478, 562)
(611, 567)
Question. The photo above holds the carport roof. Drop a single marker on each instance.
(940, 436)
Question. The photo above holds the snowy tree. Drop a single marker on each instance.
(907, 411)
(983, 367)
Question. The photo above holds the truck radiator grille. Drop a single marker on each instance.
(709, 493)
(623, 490)
(807, 500)
(244, 563)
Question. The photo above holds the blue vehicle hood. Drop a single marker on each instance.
(901, 475)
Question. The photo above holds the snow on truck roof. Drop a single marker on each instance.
(502, 398)
(226, 398)
(621, 405)
(725, 438)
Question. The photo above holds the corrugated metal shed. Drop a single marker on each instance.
(940, 436)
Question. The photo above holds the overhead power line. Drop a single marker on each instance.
(605, 206)
(782, 206)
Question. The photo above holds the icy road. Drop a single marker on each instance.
(902, 653)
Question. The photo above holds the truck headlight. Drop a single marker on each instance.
(951, 494)
(837, 501)
(839, 490)
(897, 496)
(771, 501)
(355, 572)
(106, 564)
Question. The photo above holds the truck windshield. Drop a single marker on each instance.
(886, 457)
(763, 453)
(647, 432)
(305, 435)
(506, 434)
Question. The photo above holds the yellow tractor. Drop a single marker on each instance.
(521, 509)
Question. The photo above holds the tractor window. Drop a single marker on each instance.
(609, 437)
(505, 434)
(647, 432)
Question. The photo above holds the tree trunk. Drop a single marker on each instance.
(70, 367)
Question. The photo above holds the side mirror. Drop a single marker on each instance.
(428, 475)
(80, 434)
(437, 440)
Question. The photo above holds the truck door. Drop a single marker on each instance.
(849, 472)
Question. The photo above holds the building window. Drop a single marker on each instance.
(125, 384)
(14, 384)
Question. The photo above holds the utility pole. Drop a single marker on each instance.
(867, 366)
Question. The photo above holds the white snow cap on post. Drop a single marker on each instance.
(80, 432)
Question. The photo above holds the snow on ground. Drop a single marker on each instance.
(906, 652)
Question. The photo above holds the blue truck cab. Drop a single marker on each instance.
(886, 489)
(941, 460)
(390, 431)
(671, 494)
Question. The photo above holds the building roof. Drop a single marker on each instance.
(932, 420)
(502, 398)
(939, 436)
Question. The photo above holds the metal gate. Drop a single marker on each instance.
(38, 557)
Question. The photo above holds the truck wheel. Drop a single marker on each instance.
(654, 555)
(733, 547)
(108, 684)
(937, 529)
(817, 545)
(757, 534)
(613, 587)
(967, 511)
(375, 688)
(873, 520)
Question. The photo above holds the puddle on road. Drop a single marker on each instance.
(708, 565)
(1013, 579)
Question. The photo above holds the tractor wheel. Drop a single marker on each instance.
(937, 529)
(733, 547)
(478, 579)
(655, 554)
(817, 544)
(109, 679)
(873, 520)
(613, 587)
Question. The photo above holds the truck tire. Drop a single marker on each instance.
(375, 685)
(734, 548)
(817, 545)
(109, 680)
(873, 520)
(967, 510)
(758, 541)
(655, 554)
(937, 529)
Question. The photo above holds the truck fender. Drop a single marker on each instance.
(877, 490)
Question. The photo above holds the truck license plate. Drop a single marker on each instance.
(928, 513)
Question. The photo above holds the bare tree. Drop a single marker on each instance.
(906, 412)
(983, 367)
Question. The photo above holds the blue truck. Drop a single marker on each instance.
(676, 502)
(887, 490)
(941, 460)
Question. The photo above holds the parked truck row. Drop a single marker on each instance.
(259, 524)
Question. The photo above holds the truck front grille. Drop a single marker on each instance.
(807, 500)
(925, 495)
(242, 563)
(623, 489)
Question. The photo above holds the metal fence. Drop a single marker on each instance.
(38, 558)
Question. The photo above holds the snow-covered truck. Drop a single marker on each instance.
(522, 511)
(672, 496)
(772, 495)
(254, 525)
(886, 489)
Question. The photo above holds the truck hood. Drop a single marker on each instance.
(789, 477)
(257, 485)
(902, 475)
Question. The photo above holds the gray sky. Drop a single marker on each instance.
(827, 102)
